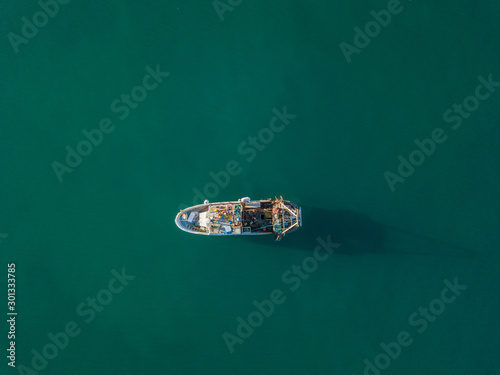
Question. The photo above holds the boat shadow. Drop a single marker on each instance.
(356, 233)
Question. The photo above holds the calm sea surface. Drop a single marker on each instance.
(115, 114)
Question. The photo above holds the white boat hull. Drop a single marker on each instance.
(243, 217)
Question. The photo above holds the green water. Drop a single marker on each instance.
(115, 209)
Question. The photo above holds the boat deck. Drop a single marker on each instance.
(241, 217)
(223, 219)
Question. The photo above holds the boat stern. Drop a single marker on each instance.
(287, 217)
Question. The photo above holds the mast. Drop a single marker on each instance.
(283, 209)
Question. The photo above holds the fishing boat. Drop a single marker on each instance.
(242, 217)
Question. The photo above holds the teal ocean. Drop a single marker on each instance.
(381, 119)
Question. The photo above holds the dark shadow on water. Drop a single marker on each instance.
(355, 232)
